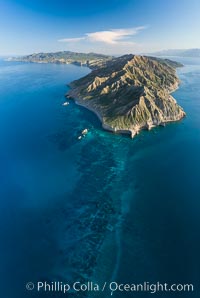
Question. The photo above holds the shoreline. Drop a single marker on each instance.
(79, 101)
(104, 126)
(131, 132)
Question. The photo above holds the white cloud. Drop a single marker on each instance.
(75, 39)
(113, 36)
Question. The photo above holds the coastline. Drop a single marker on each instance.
(104, 126)
(80, 101)
(131, 132)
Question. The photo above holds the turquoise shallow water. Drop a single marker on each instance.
(59, 195)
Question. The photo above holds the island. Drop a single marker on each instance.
(91, 60)
(187, 53)
(130, 93)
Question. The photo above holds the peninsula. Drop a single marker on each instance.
(130, 93)
(91, 60)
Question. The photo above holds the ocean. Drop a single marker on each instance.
(106, 206)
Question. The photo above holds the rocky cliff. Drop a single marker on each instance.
(130, 93)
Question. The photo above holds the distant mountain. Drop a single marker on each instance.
(178, 53)
(130, 93)
(65, 57)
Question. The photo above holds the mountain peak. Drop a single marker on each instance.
(130, 93)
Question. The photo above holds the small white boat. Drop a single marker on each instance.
(65, 103)
(84, 132)
(80, 137)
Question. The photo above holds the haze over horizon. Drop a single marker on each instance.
(113, 28)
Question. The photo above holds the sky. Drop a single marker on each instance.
(103, 26)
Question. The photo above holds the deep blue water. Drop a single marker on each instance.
(52, 185)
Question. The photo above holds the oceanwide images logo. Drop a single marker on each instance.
(111, 287)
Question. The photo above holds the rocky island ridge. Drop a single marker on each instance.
(91, 60)
(130, 93)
